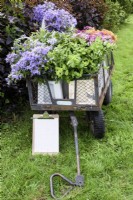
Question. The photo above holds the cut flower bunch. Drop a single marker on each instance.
(58, 51)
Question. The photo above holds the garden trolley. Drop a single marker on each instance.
(85, 94)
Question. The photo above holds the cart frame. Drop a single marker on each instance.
(94, 112)
(53, 105)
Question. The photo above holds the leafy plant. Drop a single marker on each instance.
(58, 55)
(72, 58)
(89, 13)
(127, 5)
(4, 69)
(13, 25)
(115, 16)
(79, 54)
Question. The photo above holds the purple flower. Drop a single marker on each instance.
(42, 50)
(59, 20)
(11, 57)
(39, 11)
(29, 62)
(53, 18)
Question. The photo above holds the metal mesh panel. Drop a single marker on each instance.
(85, 93)
(100, 80)
(43, 96)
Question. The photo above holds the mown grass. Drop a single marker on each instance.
(106, 164)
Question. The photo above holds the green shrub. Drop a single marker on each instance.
(126, 4)
(114, 16)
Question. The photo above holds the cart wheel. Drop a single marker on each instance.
(108, 96)
(97, 125)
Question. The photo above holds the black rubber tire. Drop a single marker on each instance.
(108, 96)
(97, 125)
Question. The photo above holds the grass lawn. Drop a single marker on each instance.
(106, 164)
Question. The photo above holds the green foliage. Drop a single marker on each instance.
(115, 16)
(73, 57)
(13, 31)
(2, 94)
(127, 5)
(69, 58)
